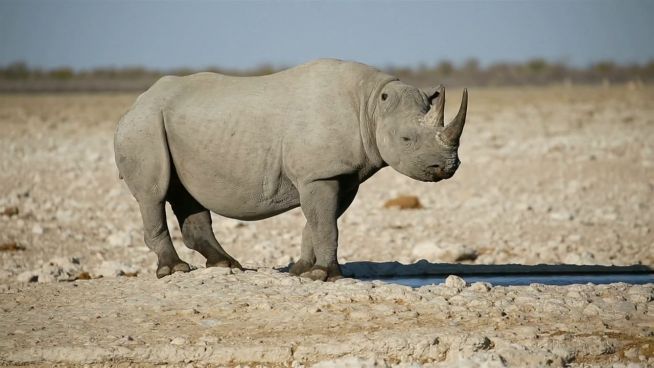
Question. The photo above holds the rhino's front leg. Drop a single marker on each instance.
(307, 256)
(319, 201)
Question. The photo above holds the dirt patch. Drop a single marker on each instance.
(549, 175)
(11, 247)
(404, 203)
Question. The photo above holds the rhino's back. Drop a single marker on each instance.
(228, 136)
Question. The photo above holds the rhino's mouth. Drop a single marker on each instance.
(430, 179)
(429, 176)
(421, 171)
(436, 172)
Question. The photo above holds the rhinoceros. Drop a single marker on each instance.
(250, 148)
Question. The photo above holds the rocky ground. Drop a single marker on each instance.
(549, 175)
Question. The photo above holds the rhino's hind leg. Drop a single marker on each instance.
(143, 161)
(195, 222)
(157, 238)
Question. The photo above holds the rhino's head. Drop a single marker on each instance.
(411, 135)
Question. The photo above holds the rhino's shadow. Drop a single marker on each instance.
(424, 268)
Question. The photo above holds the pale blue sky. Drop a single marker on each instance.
(169, 34)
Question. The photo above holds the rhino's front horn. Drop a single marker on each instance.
(453, 130)
(436, 114)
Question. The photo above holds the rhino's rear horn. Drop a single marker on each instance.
(436, 114)
(453, 130)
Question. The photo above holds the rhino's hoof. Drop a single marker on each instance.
(316, 274)
(300, 267)
(225, 262)
(321, 273)
(334, 277)
(166, 270)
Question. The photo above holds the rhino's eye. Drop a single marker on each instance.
(384, 96)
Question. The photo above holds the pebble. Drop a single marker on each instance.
(455, 282)
(592, 310)
(37, 229)
(27, 276)
(179, 341)
(313, 309)
(561, 216)
(480, 343)
(481, 286)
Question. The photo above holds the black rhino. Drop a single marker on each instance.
(253, 147)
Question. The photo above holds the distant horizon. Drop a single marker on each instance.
(266, 65)
(167, 35)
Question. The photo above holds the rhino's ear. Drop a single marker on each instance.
(433, 93)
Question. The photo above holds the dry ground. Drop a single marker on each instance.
(549, 175)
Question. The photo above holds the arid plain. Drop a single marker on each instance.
(555, 175)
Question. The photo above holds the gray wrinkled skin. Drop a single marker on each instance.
(254, 147)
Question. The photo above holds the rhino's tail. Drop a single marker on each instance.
(142, 153)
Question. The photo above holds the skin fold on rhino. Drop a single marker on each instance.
(253, 147)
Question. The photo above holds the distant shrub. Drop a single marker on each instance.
(537, 65)
(18, 76)
(16, 70)
(444, 68)
(62, 73)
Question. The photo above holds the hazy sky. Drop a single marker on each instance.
(167, 34)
